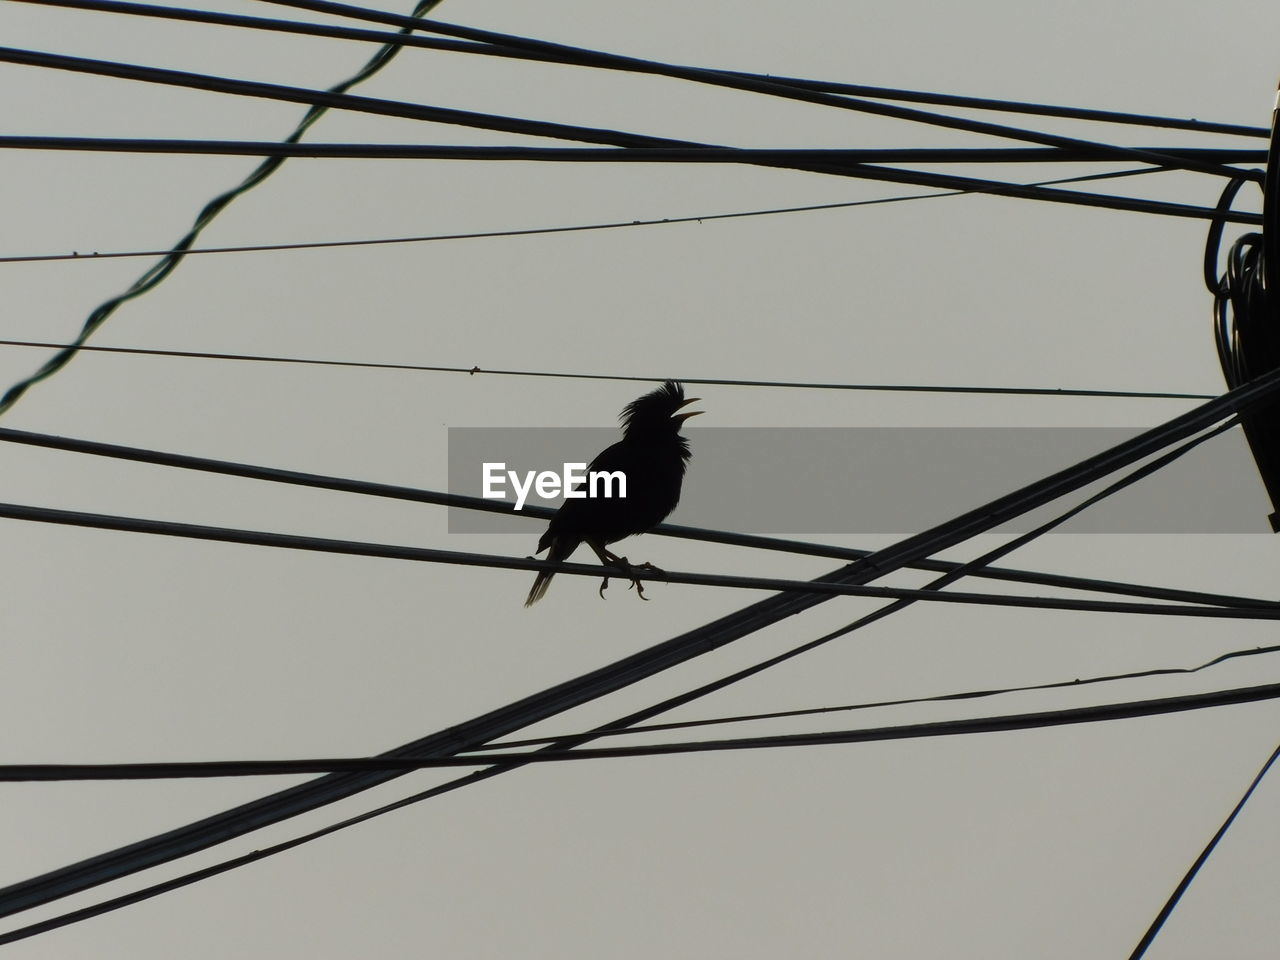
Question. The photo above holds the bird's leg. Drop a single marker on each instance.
(607, 559)
(611, 559)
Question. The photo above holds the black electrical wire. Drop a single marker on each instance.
(539, 231)
(951, 728)
(1239, 305)
(460, 501)
(157, 273)
(337, 96)
(320, 98)
(1140, 950)
(489, 49)
(763, 85)
(561, 375)
(330, 788)
(517, 125)
(1245, 316)
(42, 772)
(875, 704)
(258, 538)
(709, 154)
(972, 567)
(595, 58)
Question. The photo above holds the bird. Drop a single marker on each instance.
(653, 456)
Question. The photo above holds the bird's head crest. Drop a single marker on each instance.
(657, 410)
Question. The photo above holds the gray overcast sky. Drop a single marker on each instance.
(1056, 843)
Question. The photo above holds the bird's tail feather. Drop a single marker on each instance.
(540, 585)
(558, 551)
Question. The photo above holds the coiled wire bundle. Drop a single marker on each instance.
(1245, 326)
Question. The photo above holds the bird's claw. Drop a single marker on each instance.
(627, 567)
(652, 569)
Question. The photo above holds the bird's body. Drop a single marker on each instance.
(653, 457)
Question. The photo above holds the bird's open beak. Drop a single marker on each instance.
(682, 417)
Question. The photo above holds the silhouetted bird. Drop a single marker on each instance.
(653, 456)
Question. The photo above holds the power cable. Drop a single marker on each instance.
(595, 58)
(258, 538)
(517, 125)
(460, 501)
(708, 154)
(965, 569)
(539, 231)
(875, 704)
(1140, 950)
(1110, 712)
(561, 375)
(970, 568)
(489, 49)
(44, 772)
(1245, 316)
(293, 801)
(320, 101)
(1242, 801)
(157, 273)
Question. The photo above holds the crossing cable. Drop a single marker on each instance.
(616, 138)
(258, 538)
(188, 769)
(1153, 931)
(541, 231)
(313, 794)
(489, 49)
(643, 728)
(970, 568)
(560, 375)
(462, 501)
(157, 273)
(946, 728)
(904, 596)
(337, 96)
(707, 154)
(594, 58)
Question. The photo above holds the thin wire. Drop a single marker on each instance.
(29, 772)
(157, 273)
(488, 49)
(560, 375)
(460, 501)
(539, 231)
(1190, 875)
(875, 704)
(508, 124)
(257, 538)
(707, 154)
(581, 56)
(186, 769)
(1027, 721)
(970, 568)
